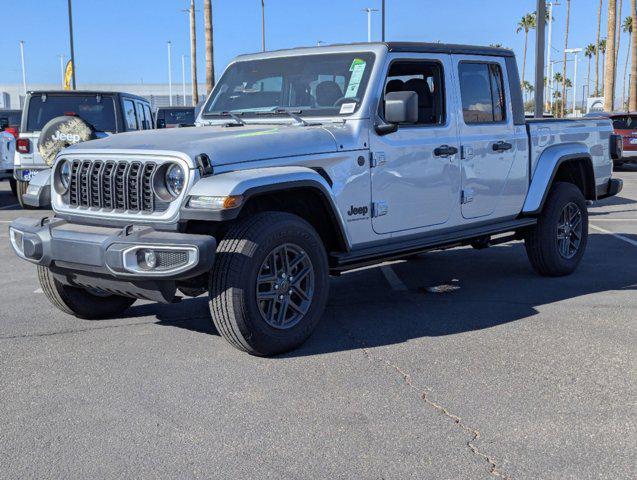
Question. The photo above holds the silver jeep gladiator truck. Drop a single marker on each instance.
(307, 163)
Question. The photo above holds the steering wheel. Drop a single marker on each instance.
(343, 100)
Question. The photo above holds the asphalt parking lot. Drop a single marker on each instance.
(460, 364)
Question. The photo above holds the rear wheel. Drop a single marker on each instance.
(21, 190)
(556, 245)
(79, 302)
(269, 284)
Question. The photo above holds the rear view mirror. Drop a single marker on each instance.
(401, 107)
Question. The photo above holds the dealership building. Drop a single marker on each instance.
(12, 95)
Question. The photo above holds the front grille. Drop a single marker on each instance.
(113, 185)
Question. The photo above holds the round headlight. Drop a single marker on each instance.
(175, 179)
(65, 173)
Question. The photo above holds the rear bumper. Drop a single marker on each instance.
(629, 156)
(137, 261)
(615, 186)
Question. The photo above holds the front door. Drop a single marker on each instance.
(414, 175)
(487, 133)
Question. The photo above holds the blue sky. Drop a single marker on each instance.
(125, 41)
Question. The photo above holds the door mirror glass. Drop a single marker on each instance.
(401, 107)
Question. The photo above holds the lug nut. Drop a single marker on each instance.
(290, 292)
(280, 297)
(276, 287)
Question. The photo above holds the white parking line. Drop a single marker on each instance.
(10, 206)
(39, 290)
(615, 219)
(393, 279)
(616, 235)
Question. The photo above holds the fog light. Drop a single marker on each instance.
(150, 258)
(33, 190)
(146, 259)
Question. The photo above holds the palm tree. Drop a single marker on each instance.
(527, 88)
(601, 47)
(618, 34)
(589, 52)
(632, 93)
(526, 24)
(557, 79)
(627, 27)
(568, 18)
(210, 60)
(193, 54)
(597, 42)
(568, 84)
(609, 67)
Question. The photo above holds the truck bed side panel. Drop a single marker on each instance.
(593, 134)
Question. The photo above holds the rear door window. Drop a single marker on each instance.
(96, 110)
(130, 115)
(482, 92)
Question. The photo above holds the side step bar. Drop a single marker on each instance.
(367, 256)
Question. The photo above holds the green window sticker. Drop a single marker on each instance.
(358, 69)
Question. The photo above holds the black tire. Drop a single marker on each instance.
(14, 187)
(79, 302)
(239, 260)
(21, 190)
(542, 244)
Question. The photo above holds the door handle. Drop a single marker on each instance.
(445, 151)
(502, 146)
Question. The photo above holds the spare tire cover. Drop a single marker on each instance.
(59, 133)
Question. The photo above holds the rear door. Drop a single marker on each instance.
(487, 133)
(415, 178)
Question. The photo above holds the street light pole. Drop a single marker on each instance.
(539, 59)
(549, 65)
(71, 40)
(369, 22)
(183, 78)
(263, 25)
(170, 77)
(383, 20)
(62, 67)
(24, 71)
(576, 52)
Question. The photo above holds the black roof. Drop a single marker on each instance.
(419, 47)
(86, 92)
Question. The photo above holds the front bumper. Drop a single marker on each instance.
(137, 261)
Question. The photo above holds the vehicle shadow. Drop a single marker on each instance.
(448, 293)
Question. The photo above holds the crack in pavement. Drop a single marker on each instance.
(494, 469)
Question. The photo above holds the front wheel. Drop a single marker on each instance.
(79, 302)
(556, 244)
(269, 285)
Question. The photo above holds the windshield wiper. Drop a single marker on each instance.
(235, 117)
(291, 113)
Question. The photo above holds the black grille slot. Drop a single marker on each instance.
(112, 185)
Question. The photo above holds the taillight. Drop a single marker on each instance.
(24, 145)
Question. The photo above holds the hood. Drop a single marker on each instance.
(223, 145)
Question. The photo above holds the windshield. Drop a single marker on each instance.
(96, 110)
(174, 117)
(317, 85)
(625, 122)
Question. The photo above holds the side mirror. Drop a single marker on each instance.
(401, 107)
(161, 123)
